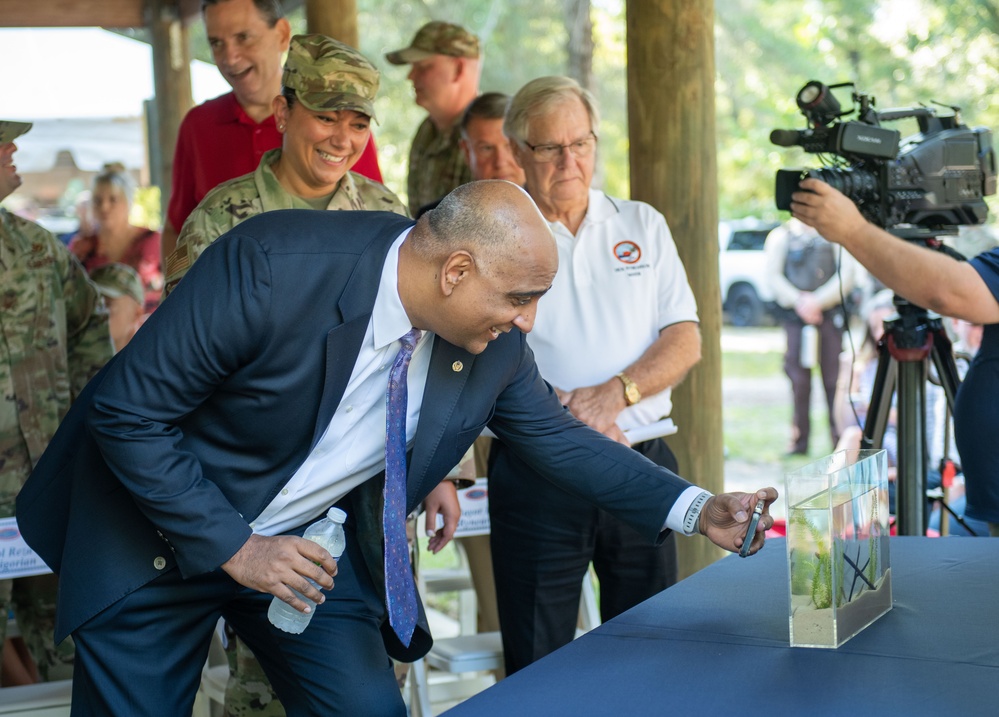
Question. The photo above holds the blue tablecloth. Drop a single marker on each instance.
(717, 643)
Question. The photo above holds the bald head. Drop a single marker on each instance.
(493, 219)
(475, 266)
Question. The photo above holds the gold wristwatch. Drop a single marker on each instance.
(631, 393)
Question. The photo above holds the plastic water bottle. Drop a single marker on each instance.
(809, 346)
(328, 533)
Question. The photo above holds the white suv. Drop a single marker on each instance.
(746, 296)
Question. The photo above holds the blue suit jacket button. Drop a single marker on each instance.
(159, 563)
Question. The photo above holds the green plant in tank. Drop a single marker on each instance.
(813, 574)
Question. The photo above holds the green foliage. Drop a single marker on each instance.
(146, 207)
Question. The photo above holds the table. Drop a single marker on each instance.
(717, 643)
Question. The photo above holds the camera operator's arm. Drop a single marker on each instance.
(925, 277)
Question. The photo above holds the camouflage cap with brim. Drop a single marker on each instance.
(437, 38)
(328, 76)
(10, 130)
(114, 280)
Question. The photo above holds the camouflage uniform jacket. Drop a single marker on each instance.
(53, 339)
(243, 197)
(436, 165)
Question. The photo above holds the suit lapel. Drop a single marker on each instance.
(343, 342)
(450, 367)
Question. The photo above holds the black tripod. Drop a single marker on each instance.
(909, 340)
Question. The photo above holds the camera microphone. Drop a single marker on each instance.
(788, 137)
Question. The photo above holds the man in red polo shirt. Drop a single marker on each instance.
(225, 137)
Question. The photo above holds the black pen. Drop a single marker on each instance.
(751, 531)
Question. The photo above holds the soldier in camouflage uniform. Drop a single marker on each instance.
(445, 76)
(53, 339)
(324, 114)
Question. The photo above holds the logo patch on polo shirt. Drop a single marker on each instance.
(628, 252)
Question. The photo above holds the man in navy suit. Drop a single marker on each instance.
(178, 487)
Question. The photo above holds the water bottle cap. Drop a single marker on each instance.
(336, 515)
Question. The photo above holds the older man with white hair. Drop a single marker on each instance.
(619, 330)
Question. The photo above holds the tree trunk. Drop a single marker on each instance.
(579, 48)
(671, 119)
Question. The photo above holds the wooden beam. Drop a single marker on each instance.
(84, 13)
(172, 77)
(333, 18)
(72, 13)
(190, 11)
(671, 120)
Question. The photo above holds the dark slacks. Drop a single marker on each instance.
(830, 333)
(543, 540)
(143, 655)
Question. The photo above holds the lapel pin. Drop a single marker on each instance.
(457, 366)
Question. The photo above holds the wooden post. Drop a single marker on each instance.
(334, 18)
(172, 81)
(671, 118)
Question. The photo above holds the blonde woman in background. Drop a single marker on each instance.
(114, 239)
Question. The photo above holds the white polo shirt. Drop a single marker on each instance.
(619, 283)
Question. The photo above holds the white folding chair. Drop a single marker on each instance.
(45, 699)
(210, 700)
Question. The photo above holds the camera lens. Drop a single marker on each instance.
(858, 184)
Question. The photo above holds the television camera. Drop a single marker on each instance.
(925, 185)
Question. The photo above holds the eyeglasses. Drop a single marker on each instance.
(579, 149)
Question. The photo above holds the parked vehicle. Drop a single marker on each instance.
(746, 296)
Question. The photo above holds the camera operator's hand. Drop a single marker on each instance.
(831, 213)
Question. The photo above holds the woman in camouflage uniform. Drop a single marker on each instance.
(324, 113)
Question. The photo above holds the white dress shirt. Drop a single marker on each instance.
(352, 449)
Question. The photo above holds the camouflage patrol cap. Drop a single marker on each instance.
(437, 38)
(327, 75)
(9, 131)
(114, 280)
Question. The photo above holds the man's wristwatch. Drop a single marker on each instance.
(631, 393)
(692, 520)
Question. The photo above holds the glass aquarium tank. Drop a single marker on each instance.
(837, 547)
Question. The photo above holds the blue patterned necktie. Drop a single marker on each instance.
(400, 591)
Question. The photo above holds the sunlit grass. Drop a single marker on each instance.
(760, 433)
(746, 364)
